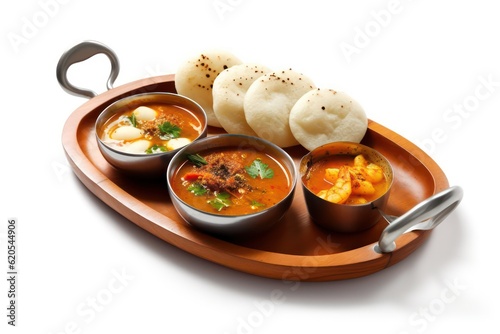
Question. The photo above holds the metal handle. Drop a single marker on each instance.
(424, 216)
(81, 52)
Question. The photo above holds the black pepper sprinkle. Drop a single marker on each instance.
(207, 75)
(323, 108)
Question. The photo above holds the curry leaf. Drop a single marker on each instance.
(196, 159)
(132, 120)
(258, 168)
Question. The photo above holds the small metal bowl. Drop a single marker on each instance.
(232, 225)
(145, 165)
(344, 217)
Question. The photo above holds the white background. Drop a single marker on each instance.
(411, 64)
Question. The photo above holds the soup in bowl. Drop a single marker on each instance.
(232, 184)
(141, 133)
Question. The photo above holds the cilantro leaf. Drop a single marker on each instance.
(197, 189)
(258, 168)
(221, 201)
(156, 149)
(169, 131)
(132, 120)
(254, 204)
(196, 159)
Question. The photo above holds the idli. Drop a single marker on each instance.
(229, 92)
(195, 78)
(268, 103)
(324, 115)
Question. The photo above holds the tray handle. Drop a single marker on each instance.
(424, 216)
(81, 52)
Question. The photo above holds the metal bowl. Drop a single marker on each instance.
(224, 225)
(145, 165)
(343, 217)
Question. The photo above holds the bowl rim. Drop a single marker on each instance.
(294, 173)
(133, 97)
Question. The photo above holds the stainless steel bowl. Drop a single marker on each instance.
(142, 165)
(342, 217)
(242, 225)
(145, 165)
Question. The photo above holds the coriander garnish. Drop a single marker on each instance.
(254, 204)
(221, 201)
(156, 149)
(169, 131)
(197, 189)
(258, 168)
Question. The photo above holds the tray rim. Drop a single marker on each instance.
(258, 262)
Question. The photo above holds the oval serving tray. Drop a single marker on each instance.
(295, 248)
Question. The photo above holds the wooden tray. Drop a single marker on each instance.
(295, 248)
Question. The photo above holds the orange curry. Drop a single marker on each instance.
(345, 179)
(231, 181)
(146, 128)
